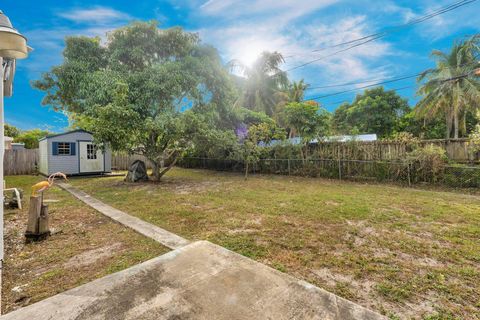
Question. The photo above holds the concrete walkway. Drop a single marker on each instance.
(168, 239)
(198, 281)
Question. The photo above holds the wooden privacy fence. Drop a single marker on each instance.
(18, 162)
(456, 149)
(123, 161)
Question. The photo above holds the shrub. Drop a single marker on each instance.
(428, 162)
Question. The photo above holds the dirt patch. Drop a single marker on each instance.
(85, 246)
(92, 256)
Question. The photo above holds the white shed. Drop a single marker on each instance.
(72, 153)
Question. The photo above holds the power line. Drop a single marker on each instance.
(429, 16)
(365, 87)
(383, 81)
(369, 38)
(395, 89)
(376, 84)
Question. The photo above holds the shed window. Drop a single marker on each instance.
(91, 152)
(64, 148)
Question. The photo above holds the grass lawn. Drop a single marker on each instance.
(85, 246)
(403, 252)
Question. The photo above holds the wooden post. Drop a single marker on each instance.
(37, 225)
(33, 214)
(43, 220)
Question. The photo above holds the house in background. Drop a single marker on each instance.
(73, 153)
(8, 142)
(18, 146)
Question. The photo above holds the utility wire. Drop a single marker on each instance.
(376, 84)
(369, 38)
(395, 89)
(429, 16)
(382, 81)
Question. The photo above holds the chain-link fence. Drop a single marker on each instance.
(365, 170)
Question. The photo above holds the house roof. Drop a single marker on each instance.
(7, 138)
(63, 133)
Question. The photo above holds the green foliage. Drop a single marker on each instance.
(375, 111)
(405, 137)
(428, 161)
(308, 120)
(31, 137)
(251, 151)
(422, 128)
(474, 143)
(266, 132)
(131, 92)
(249, 117)
(11, 131)
(207, 140)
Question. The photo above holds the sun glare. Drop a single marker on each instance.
(248, 52)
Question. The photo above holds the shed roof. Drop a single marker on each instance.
(63, 133)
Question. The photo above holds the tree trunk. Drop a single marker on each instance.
(170, 166)
(463, 125)
(246, 169)
(155, 171)
(448, 119)
(455, 125)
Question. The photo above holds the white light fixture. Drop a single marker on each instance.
(13, 45)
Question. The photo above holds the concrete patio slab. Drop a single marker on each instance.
(168, 239)
(198, 281)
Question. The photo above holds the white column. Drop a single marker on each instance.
(2, 152)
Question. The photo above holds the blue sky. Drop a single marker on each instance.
(241, 30)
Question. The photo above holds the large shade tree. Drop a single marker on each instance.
(452, 87)
(263, 80)
(131, 91)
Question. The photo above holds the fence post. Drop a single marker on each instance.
(408, 175)
(288, 160)
(340, 169)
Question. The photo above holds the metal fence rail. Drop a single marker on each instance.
(365, 170)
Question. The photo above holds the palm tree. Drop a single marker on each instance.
(263, 80)
(295, 92)
(451, 88)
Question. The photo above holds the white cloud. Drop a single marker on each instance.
(98, 15)
(49, 43)
(292, 31)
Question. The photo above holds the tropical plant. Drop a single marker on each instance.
(295, 92)
(428, 161)
(263, 80)
(452, 88)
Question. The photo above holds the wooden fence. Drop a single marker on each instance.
(456, 149)
(123, 161)
(18, 162)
